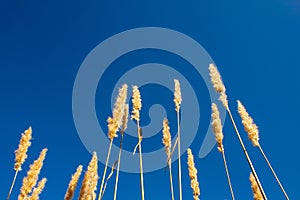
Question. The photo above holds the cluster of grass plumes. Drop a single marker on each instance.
(249, 126)
(32, 186)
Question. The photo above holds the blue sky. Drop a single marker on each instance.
(255, 44)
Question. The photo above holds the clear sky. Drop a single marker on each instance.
(255, 44)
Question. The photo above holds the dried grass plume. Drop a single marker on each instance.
(249, 126)
(177, 95)
(90, 180)
(38, 190)
(118, 110)
(73, 183)
(255, 188)
(167, 138)
(137, 103)
(193, 175)
(218, 84)
(21, 152)
(32, 175)
(217, 127)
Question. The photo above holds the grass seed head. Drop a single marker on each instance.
(249, 126)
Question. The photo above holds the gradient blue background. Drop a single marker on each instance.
(255, 44)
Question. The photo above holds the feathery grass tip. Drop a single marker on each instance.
(73, 183)
(137, 103)
(90, 180)
(249, 126)
(193, 175)
(217, 126)
(167, 138)
(177, 95)
(38, 190)
(32, 175)
(255, 188)
(118, 110)
(218, 84)
(21, 152)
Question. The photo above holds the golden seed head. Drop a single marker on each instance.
(125, 118)
(21, 152)
(167, 138)
(38, 190)
(218, 84)
(137, 103)
(177, 95)
(217, 126)
(73, 183)
(112, 128)
(118, 110)
(249, 126)
(32, 175)
(90, 180)
(255, 188)
(193, 175)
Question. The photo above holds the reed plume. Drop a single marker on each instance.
(177, 101)
(253, 135)
(38, 190)
(257, 195)
(123, 128)
(217, 129)
(167, 143)
(20, 156)
(114, 123)
(193, 175)
(218, 84)
(220, 88)
(137, 106)
(90, 180)
(32, 176)
(73, 183)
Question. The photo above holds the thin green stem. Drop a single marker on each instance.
(270, 166)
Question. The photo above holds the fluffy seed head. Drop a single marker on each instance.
(217, 126)
(193, 175)
(249, 126)
(177, 95)
(90, 180)
(32, 176)
(218, 84)
(21, 152)
(255, 188)
(112, 128)
(125, 118)
(137, 103)
(73, 183)
(167, 138)
(38, 190)
(118, 110)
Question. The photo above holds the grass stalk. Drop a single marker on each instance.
(141, 161)
(246, 154)
(12, 185)
(179, 160)
(228, 177)
(105, 169)
(118, 167)
(271, 168)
